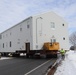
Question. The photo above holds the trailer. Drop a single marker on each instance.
(32, 35)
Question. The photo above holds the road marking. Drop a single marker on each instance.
(3, 58)
(37, 67)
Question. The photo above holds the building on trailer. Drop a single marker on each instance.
(33, 32)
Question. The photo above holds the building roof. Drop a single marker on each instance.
(31, 17)
(16, 25)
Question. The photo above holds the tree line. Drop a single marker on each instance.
(72, 40)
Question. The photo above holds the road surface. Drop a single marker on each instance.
(23, 66)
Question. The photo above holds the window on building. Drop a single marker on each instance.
(36, 46)
(18, 41)
(28, 26)
(6, 44)
(52, 25)
(10, 33)
(0, 36)
(10, 44)
(6, 35)
(3, 36)
(20, 29)
(53, 40)
(62, 24)
(63, 38)
(3, 45)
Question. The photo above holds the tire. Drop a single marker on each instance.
(27, 55)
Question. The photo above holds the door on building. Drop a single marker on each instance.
(27, 47)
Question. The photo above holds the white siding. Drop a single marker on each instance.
(18, 36)
(45, 32)
(38, 31)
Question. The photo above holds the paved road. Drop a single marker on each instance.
(23, 66)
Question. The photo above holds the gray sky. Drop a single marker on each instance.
(14, 11)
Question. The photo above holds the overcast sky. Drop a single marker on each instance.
(14, 11)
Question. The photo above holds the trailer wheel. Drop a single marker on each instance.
(48, 56)
(51, 56)
(27, 55)
(15, 55)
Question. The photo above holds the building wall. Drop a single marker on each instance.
(37, 30)
(43, 32)
(18, 36)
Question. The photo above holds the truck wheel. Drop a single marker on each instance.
(27, 55)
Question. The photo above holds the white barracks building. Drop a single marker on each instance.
(34, 31)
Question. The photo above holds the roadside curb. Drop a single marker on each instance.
(51, 69)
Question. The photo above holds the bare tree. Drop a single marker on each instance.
(72, 39)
